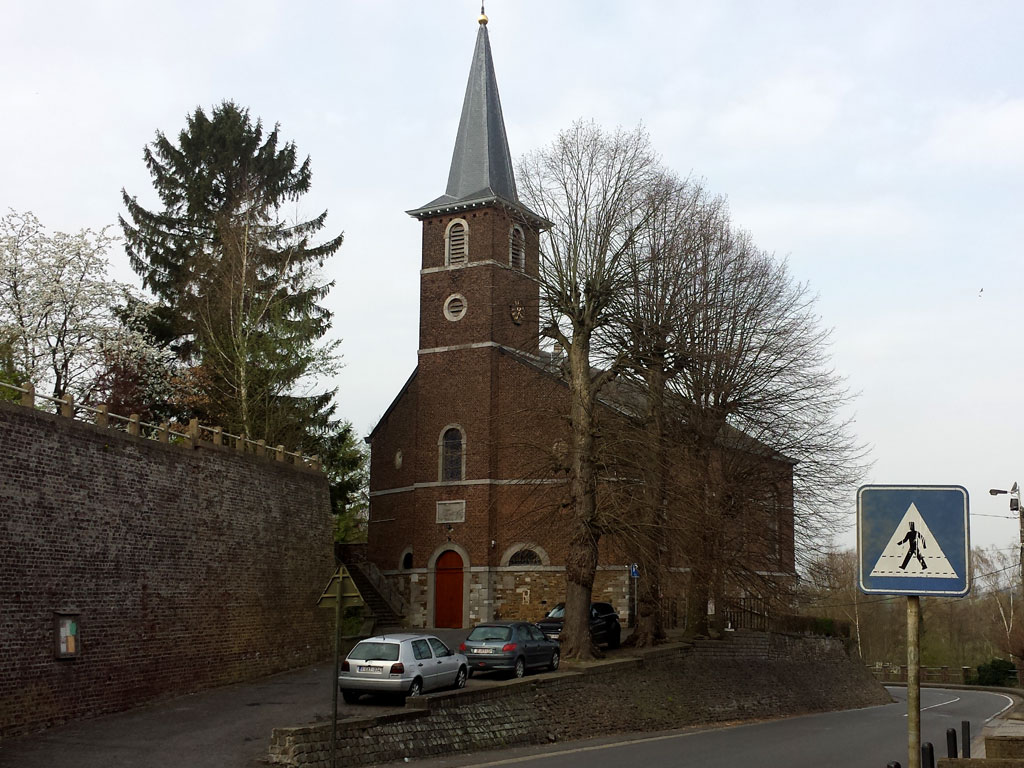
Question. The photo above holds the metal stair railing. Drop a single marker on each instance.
(393, 598)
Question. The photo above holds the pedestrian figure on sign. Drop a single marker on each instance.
(915, 539)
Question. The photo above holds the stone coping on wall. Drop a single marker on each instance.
(110, 433)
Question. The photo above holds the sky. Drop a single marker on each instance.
(876, 146)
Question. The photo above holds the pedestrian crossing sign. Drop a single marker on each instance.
(913, 539)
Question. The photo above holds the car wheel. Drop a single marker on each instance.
(520, 668)
(615, 637)
(554, 661)
(415, 688)
(350, 697)
(460, 679)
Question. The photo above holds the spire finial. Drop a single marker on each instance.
(483, 16)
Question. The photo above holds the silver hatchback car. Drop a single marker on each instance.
(402, 664)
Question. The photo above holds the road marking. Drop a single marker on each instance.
(943, 704)
(1009, 704)
(545, 755)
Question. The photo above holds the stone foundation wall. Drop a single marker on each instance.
(514, 593)
(746, 676)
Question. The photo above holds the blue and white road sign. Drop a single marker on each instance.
(634, 571)
(914, 540)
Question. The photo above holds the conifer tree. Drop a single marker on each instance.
(238, 285)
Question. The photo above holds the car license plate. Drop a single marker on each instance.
(371, 669)
(483, 650)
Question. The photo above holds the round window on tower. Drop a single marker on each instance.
(455, 307)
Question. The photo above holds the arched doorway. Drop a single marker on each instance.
(448, 590)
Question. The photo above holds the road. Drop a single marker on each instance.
(862, 738)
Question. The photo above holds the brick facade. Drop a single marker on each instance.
(185, 568)
(483, 375)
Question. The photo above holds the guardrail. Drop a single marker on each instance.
(191, 435)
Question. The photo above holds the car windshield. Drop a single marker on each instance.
(483, 634)
(367, 651)
(558, 612)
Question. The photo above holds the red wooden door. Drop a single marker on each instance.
(448, 590)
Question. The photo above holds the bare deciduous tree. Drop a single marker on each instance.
(646, 325)
(756, 388)
(593, 187)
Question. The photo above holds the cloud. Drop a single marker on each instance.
(987, 135)
(787, 111)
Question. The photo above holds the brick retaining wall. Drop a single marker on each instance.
(746, 675)
(186, 568)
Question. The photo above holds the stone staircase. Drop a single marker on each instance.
(380, 601)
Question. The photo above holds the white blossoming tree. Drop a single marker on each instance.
(64, 324)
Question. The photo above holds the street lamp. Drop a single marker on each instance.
(1014, 507)
(1014, 496)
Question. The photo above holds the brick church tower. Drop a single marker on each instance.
(445, 506)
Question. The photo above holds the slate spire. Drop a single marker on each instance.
(481, 162)
(481, 167)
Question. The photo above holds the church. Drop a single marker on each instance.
(466, 519)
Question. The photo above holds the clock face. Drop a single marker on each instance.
(517, 311)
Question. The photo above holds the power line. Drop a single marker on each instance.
(886, 598)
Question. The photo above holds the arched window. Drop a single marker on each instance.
(456, 243)
(407, 561)
(525, 557)
(451, 455)
(517, 248)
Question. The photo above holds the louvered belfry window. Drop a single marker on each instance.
(517, 249)
(451, 455)
(457, 243)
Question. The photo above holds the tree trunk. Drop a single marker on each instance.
(697, 596)
(649, 628)
(580, 567)
(581, 557)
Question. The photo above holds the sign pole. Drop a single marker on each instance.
(914, 681)
(344, 594)
(337, 648)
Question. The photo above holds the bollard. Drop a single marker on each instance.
(927, 755)
(965, 733)
(951, 743)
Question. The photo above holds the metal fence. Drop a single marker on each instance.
(748, 613)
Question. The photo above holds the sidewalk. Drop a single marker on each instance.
(225, 727)
(221, 728)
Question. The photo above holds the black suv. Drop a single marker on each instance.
(604, 623)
